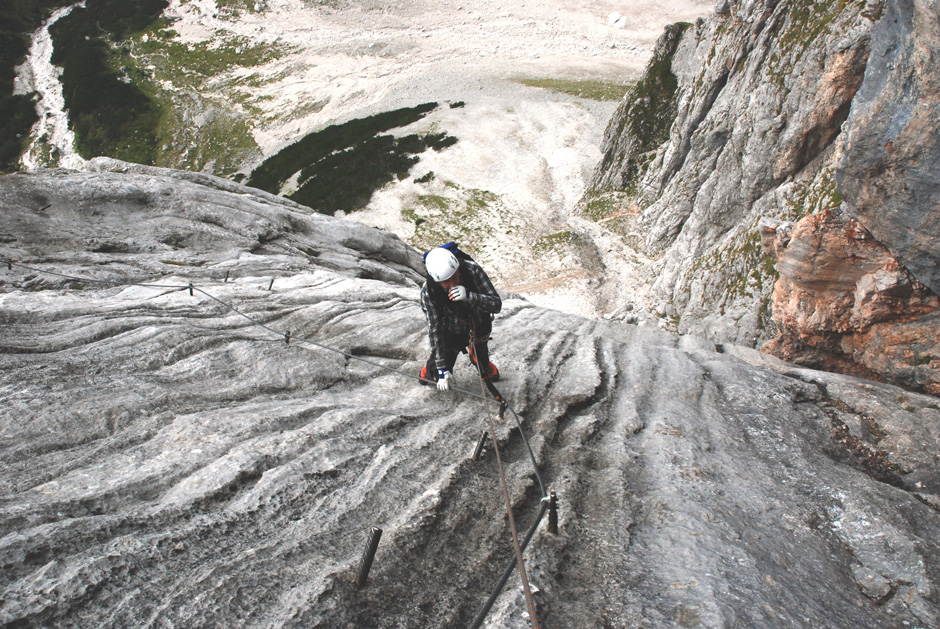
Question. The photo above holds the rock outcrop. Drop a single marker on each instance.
(168, 462)
(843, 303)
(787, 110)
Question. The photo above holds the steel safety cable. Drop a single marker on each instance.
(307, 341)
(493, 392)
(478, 621)
(177, 287)
(499, 398)
(193, 287)
(91, 280)
(527, 591)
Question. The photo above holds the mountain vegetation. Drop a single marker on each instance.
(110, 116)
(340, 166)
(18, 20)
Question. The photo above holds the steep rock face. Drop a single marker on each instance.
(888, 325)
(891, 166)
(182, 220)
(763, 88)
(168, 462)
(641, 122)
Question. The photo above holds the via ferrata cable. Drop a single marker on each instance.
(530, 602)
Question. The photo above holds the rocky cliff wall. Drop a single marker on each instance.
(166, 462)
(787, 110)
(890, 171)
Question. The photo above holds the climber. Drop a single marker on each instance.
(458, 299)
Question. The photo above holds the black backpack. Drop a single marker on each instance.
(454, 249)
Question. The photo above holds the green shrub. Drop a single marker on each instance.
(17, 116)
(273, 173)
(346, 180)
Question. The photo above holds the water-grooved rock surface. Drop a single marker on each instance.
(167, 462)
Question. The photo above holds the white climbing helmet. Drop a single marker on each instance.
(442, 264)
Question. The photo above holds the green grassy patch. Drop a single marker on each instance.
(616, 211)
(591, 90)
(229, 9)
(743, 270)
(813, 197)
(465, 216)
(552, 242)
(194, 131)
(339, 167)
(602, 207)
(652, 99)
(134, 91)
(192, 65)
(220, 142)
(807, 21)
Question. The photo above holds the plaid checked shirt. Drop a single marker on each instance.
(441, 318)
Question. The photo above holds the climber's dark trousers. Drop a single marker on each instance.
(454, 344)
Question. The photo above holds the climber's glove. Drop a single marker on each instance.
(459, 293)
(444, 378)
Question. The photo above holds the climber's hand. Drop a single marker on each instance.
(444, 378)
(459, 293)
